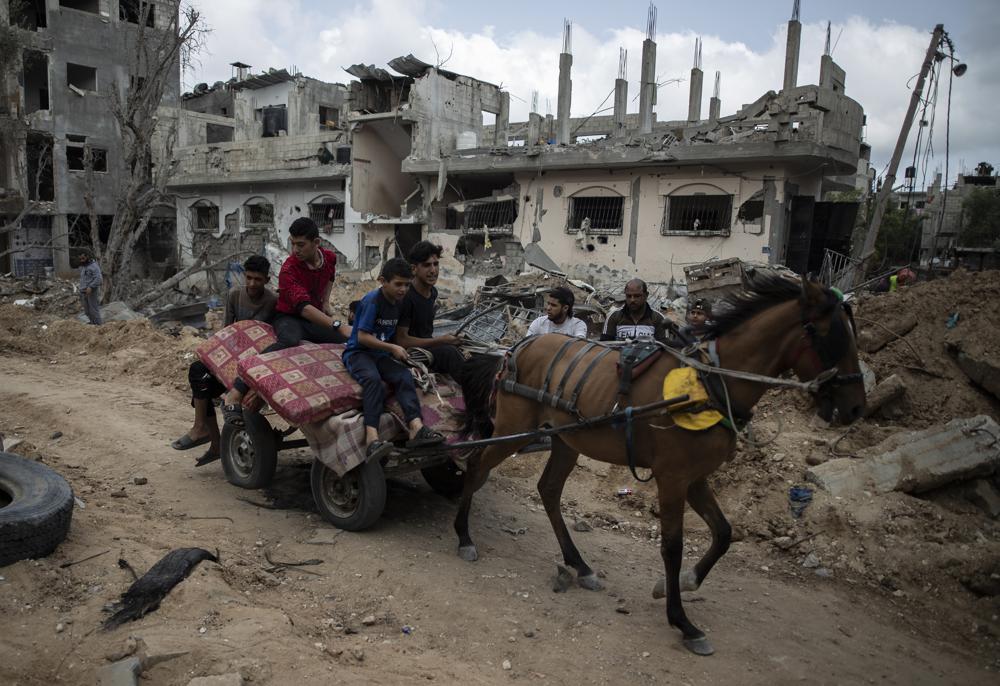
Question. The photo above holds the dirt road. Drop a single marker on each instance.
(771, 621)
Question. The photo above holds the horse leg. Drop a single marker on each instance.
(561, 462)
(702, 500)
(672, 550)
(475, 477)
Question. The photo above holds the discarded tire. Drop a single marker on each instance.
(36, 506)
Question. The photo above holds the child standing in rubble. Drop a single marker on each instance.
(90, 287)
(372, 358)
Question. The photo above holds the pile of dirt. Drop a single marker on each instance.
(937, 389)
(111, 350)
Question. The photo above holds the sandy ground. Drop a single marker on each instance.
(893, 605)
(771, 620)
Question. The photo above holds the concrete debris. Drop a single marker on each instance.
(982, 371)
(984, 495)
(888, 391)
(114, 312)
(918, 461)
(873, 339)
(122, 673)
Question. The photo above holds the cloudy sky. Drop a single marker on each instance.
(517, 44)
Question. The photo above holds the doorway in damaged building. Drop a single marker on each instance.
(816, 227)
(407, 236)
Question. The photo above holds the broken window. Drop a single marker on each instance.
(697, 213)
(40, 180)
(76, 155)
(258, 213)
(81, 76)
(752, 210)
(205, 216)
(218, 133)
(92, 6)
(133, 11)
(601, 215)
(329, 118)
(28, 14)
(31, 244)
(494, 216)
(36, 81)
(328, 214)
(275, 119)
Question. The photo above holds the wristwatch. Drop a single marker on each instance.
(337, 323)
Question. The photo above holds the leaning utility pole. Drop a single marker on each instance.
(882, 199)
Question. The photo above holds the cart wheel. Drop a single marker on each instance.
(249, 453)
(352, 502)
(444, 479)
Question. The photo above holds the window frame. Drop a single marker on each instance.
(666, 228)
(572, 211)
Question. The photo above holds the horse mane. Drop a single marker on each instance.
(478, 374)
(762, 289)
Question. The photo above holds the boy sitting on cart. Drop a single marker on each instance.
(372, 358)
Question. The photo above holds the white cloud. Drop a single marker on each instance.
(879, 59)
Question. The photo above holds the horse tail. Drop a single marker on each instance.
(479, 374)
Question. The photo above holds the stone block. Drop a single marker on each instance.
(983, 372)
(985, 496)
(914, 462)
(122, 673)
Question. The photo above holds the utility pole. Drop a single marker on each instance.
(882, 199)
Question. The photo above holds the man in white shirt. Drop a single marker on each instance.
(558, 317)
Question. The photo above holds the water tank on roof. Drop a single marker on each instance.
(466, 140)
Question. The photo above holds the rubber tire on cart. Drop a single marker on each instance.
(444, 479)
(36, 506)
(249, 453)
(352, 502)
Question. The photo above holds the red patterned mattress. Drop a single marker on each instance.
(227, 347)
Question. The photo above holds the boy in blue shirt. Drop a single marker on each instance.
(372, 358)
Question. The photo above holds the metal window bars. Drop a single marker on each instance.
(596, 215)
(493, 217)
(206, 217)
(698, 213)
(838, 270)
(261, 214)
(329, 217)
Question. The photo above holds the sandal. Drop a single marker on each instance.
(185, 442)
(208, 458)
(377, 450)
(233, 414)
(425, 437)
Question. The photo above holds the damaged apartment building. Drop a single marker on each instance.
(604, 198)
(254, 154)
(60, 151)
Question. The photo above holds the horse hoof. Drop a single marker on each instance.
(660, 589)
(689, 580)
(590, 582)
(468, 553)
(699, 646)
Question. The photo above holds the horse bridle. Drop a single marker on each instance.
(827, 348)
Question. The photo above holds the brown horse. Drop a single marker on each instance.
(775, 325)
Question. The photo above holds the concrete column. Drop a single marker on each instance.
(534, 128)
(550, 128)
(565, 98)
(714, 108)
(503, 121)
(694, 95)
(792, 54)
(647, 87)
(621, 107)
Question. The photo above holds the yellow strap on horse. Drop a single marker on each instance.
(685, 381)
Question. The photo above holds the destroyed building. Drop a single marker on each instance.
(944, 215)
(254, 154)
(60, 149)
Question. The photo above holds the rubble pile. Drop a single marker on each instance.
(917, 484)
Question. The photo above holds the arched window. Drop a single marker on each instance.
(258, 212)
(697, 209)
(596, 210)
(205, 216)
(328, 213)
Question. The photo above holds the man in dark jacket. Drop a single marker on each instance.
(636, 319)
(90, 287)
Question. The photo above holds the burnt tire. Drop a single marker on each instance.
(352, 502)
(36, 506)
(444, 479)
(250, 452)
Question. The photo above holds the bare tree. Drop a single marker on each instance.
(147, 139)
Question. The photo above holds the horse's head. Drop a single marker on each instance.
(827, 353)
